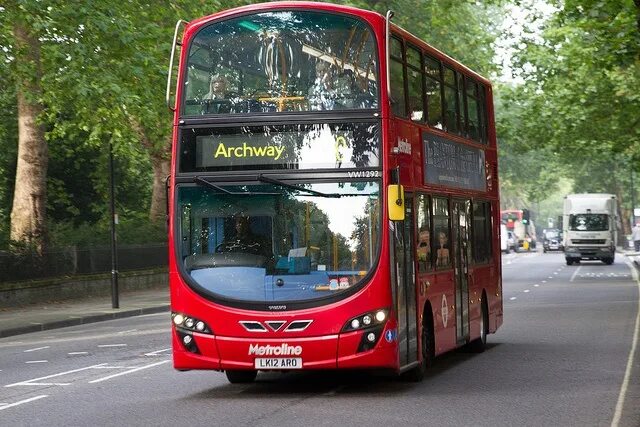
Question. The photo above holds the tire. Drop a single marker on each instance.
(241, 376)
(428, 354)
(479, 345)
(569, 261)
(607, 261)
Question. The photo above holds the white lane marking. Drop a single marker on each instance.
(126, 332)
(111, 345)
(31, 399)
(634, 343)
(36, 349)
(155, 353)
(544, 281)
(536, 285)
(550, 277)
(37, 361)
(526, 291)
(70, 337)
(48, 384)
(555, 272)
(28, 382)
(513, 298)
(76, 353)
(573, 276)
(130, 371)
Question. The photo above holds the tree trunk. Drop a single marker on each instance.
(161, 164)
(161, 169)
(625, 214)
(28, 214)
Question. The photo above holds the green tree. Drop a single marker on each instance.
(19, 24)
(582, 93)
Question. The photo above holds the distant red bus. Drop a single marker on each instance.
(510, 216)
(333, 196)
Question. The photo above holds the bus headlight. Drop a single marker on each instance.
(189, 323)
(366, 320)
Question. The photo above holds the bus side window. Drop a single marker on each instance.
(473, 120)
(433, 91)
(481, 232)
(423, 245)
(450, 101)
(397, 79)
(441, 243)
(414, 84)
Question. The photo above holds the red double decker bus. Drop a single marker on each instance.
(333, 196)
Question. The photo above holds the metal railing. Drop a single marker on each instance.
(72, 261)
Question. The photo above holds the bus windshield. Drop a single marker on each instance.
(271, 242)
(589, 222)
(281, 61)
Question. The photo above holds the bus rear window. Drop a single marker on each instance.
(281, 61)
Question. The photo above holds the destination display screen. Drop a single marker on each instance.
(453, 164)
(309, 146)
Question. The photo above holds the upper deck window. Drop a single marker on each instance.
(281, 61)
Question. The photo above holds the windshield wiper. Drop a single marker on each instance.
(204, 182)
(263, 178)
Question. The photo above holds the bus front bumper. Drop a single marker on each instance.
(579, 252)
(341, 351)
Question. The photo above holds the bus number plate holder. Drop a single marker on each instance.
(278, 363)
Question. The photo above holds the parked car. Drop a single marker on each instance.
(552, 240)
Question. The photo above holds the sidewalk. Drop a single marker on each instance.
(634, 257)
(41, 317)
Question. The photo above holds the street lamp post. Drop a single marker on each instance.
(114, 220)
(633, 200)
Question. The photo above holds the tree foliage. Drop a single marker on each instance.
(580, 101)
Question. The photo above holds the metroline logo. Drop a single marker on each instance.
(283, 349)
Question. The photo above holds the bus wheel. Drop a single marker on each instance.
(480, 344)
(240, 377)
(428, 351)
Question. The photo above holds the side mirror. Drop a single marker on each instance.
(395, 202)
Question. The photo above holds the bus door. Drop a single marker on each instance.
(461, 222)
(405, 285)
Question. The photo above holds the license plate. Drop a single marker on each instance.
(278, 363)
(553, 246)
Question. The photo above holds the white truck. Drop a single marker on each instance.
(589, 227)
